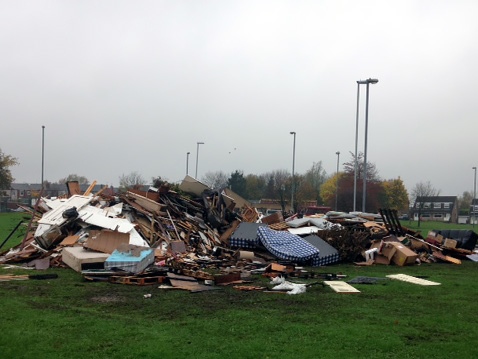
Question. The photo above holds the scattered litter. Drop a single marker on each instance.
(366, 280)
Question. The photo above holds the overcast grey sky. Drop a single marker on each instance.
(124, 86)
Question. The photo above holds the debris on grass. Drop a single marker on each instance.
(197, 238)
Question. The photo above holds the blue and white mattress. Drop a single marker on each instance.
(288, 246)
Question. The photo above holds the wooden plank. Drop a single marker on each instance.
(341, 287)
(411, 279)
(90, 188)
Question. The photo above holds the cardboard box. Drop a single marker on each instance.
(80, 259)
(106, 241)
(385, 252)
(403, 255)
(450, 243)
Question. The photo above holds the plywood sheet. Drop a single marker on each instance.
(341, 287)
(411, 279)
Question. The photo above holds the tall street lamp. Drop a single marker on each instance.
(42, 153)
(197, 157)
(368, 82)
(187, 163)
(356, 143)
(337, 182)
(293, 175)
(474, 197)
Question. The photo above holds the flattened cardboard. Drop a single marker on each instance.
(450, 243)
(106, 241)
(70, 241)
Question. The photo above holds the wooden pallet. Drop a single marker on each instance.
(134, 280)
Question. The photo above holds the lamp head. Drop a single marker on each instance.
(368, 81)
(292, 133)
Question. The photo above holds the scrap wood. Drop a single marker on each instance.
(35, 209)
(8, 277)
(423, 241)
(226, 235)
(174, 226)
(249, 214)
(193, 287)
(248, 287)
(348, 242)
(341, 287)
(445, 258)
(90, 188)
(279, 226)
(411, 279)
(137, 280)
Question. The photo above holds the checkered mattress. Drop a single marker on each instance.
(288, 246)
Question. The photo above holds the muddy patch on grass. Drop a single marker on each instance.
(107, 299)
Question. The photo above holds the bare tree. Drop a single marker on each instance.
(419, 193)
(132, 180)
(215, 180)
(372, 172)
(74, 177)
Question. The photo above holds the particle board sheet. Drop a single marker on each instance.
(411, 279)
(341, 287)
(80, 259)
(328, 254)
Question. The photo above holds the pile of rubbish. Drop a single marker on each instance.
(197, 238)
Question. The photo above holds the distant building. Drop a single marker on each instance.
(27, 193)
(474, 211)
(437, 208)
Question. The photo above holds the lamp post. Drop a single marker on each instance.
(197, 157)
(42, 153)
(368, 82)
(187, 163)
(337, 181)
(474, 196)
(293, 175)
(356, 144)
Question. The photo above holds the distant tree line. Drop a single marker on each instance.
(313, 185)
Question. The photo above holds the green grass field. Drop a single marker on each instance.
(69, 317)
